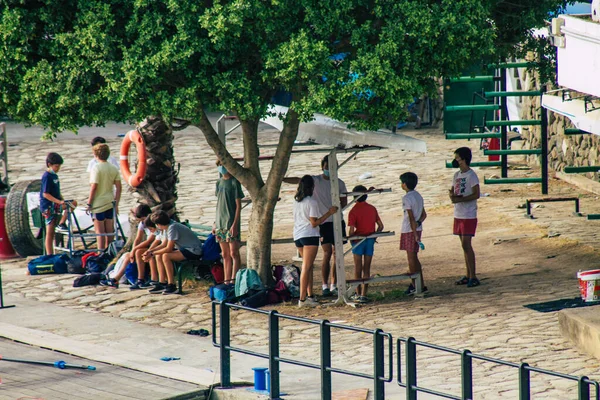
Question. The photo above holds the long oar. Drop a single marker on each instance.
(56, 364)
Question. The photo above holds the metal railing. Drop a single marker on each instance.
(378, 375)
(466, 358)
(584, 384)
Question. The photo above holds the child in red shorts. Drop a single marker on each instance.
(410, 237)
(464, 194)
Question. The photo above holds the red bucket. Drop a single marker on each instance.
(589, 285)
(6, 249)
(494, 144)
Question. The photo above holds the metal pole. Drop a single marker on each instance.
(225, 353)
(503, 129)
(544, 139)
(378, 366)
(56, 364)
(524, 387)
(467, 375)
(1, 296)
(4, 155)
(274, 354)
(337, 226)
(583, 389)
(325, 360)
(221, 127)
(411, 369)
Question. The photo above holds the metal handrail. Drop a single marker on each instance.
(378, 376)
(412, 388)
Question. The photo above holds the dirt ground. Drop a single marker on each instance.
(516, 251)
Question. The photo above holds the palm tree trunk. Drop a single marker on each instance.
(159, 188)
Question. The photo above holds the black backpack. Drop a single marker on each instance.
(97, 264)
(256, 299)
(88, 280)
(74, 265)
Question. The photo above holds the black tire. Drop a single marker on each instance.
(17, 219)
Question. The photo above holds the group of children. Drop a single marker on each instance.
(310, 212)
(103, 199)
(160, 241)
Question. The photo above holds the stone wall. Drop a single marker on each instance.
(563, 150)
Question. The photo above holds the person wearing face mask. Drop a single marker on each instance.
(464, 194)
(227, 223)
(322, 194)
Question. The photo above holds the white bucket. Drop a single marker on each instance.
(589, 285)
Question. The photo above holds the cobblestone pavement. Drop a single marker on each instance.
(520, 261)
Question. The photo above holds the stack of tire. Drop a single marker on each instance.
(18, 219)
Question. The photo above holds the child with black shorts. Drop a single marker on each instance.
(307, 219)
(182, 244)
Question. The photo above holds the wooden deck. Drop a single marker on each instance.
(25, 381)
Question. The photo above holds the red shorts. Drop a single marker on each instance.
(465, 227)
(408, 243)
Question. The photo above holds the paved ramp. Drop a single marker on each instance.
(24, 381)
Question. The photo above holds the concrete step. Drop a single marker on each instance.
(582, 327)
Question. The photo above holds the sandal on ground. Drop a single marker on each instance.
(473, 282)
(462, 281)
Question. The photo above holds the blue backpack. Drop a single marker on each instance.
(247, 279)
(131, 272)
(211, 251)
(48, 264)
(222, 292)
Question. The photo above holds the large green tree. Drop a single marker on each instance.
(68, 63)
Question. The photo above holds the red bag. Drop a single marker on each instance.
(278, 294)
(218, 272)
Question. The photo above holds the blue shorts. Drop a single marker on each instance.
(366, 248)
(307, 241)
(108, 214)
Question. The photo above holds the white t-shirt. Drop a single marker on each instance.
(303, 210)
(412, 201)
(111, 160)
(462, 185)
(322, 194)
(142, 227)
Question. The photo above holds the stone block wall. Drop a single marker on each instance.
(563, 150)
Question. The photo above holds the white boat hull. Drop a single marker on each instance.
(327, 131)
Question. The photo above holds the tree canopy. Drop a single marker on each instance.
(68, 63)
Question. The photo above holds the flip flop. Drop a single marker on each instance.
(462, 281)
(198, 332)
(473, 282)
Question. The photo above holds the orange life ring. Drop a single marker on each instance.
(133, 137)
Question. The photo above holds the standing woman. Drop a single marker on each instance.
(100, 202)
(306, 235)
(227, 223)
